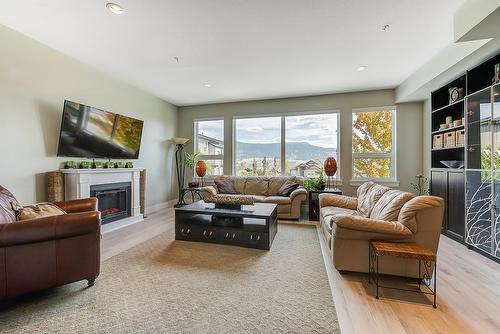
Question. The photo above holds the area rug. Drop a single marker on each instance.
(169, 286)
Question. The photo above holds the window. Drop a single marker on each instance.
(373, 144)
(284, 145)
(310, 139)
(257, 147)
(209, 143)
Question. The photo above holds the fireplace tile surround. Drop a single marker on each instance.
(78, 184)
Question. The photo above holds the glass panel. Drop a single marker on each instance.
(258, 146)
(496, 126)
(373, 168)
(210, 137)
(372, 132)
(214, 167)
(496, 240)
(479, 130)
(309, 141)
(478, 198)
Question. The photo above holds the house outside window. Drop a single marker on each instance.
(209, 144)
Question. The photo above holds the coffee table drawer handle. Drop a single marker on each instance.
(251, 237)
(187, 231)
(232, 237)
(205, 234)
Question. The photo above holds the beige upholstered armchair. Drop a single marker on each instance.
(379, 213)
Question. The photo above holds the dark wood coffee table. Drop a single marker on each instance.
(252, 226)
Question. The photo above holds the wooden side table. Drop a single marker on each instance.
(408, 250)
(314, 201)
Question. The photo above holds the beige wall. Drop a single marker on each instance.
(409, 125)
(34, 82)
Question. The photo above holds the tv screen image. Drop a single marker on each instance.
(88, 132)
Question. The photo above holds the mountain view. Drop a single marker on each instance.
(294, 151)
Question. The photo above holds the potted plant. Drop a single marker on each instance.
(191, 159)
(315, 183)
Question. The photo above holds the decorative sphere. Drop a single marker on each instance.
(201, 168)
(330, 166)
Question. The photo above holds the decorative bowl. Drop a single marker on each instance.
(193, 184)
(453, 163)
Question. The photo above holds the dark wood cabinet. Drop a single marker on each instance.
(314, 201)
(449, 184)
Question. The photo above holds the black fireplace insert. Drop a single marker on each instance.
(114, 200)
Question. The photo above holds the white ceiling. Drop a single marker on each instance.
(247, 49)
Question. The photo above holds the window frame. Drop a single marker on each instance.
(207, 157)
(283, 117)
(392, 180)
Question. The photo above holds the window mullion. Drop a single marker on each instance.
(283, 145)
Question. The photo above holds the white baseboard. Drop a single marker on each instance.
(160, 206)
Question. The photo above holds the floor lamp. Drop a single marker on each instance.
(181, 167)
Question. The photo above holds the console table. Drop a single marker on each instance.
(252, 226)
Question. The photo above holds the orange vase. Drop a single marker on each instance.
(201, 168)
(330, 166)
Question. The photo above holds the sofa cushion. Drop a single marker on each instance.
(287, 188)
(225, 186)
(278, 200)
(7, 215)
(276, 182)
(38, 210)
(389, 205)
(346, 233)
(368, 195)
(255, 185)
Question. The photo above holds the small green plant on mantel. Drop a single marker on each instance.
(191, 159)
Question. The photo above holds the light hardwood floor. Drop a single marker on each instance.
(468, 289)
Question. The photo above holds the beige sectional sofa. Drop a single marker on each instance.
(264, 190)
(379, 213)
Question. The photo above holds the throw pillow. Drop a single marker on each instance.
(287, 188)
(225, 187)
(36, 211)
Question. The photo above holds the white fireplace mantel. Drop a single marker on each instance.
(77, 184)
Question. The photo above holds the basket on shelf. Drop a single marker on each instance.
(438, 141)
(449, 139)
(460, 137)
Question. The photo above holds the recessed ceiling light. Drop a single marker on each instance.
(207, 85)
(361, 68)
(114, 8)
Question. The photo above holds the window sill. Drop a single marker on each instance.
(389, 183)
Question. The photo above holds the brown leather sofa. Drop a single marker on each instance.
(41, 253)
(379, 213)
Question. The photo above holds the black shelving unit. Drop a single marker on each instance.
(449, 183)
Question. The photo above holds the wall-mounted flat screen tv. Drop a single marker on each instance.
(88, 132)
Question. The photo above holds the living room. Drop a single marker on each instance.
(255, 167)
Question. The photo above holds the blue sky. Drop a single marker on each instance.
(319, 130)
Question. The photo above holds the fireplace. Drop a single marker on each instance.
(114, 200)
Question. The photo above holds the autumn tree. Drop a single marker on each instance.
(372, 133)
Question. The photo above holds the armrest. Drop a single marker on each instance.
(208, 191)
(78, 205)
(49, 228)
(339, 201)
(297, 192)
(359, 223)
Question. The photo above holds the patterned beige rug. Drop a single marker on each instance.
(168, 286)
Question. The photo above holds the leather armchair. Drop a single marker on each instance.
(41, 253)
